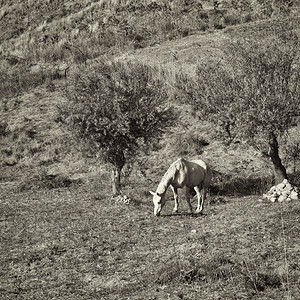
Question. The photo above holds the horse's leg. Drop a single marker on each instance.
(187, 198)
(175, 210)
(201, 195)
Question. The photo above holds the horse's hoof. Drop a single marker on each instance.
(190, 212)
(199, 211)
(175, 212)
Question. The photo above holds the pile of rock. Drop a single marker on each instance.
(122, 199)
(281, 192)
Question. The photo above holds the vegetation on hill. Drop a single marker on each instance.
(43, 41)
(252, 94)
(117, 109)
(101, 67)
(55, 31)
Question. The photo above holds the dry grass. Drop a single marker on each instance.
(51, 31)
(78, 243)
(61, 239)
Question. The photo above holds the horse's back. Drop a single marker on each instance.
(198, 171)
(203, 164)
(191, 173)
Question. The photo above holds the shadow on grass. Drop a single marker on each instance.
(183, 214)
(218, 269)
(228, 185)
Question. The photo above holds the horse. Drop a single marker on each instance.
(183, 173)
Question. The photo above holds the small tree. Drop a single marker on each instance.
(252, 94)
(116, 108)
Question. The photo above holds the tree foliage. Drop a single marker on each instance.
(253, 93)
(116, 108)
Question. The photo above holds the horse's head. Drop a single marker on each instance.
(158, 201)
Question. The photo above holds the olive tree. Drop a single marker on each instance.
(252, 92)
(116, 108)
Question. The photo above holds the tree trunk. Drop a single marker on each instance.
(118, 164)
(227, 129)
(116, 181)
(279, 169)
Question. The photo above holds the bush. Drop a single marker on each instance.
(187, 144)
(20, 79)
(42, 180)
(231, 19)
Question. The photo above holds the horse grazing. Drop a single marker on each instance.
(183, 173)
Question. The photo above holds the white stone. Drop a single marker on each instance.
(285, 194)
(288, 187)
(294, 195)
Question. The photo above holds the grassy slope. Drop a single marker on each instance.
(78, 243)
(35, 111)
(33, 138)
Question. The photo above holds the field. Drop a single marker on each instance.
(76, 243)
(62, 234)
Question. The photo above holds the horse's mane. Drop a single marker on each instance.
(171, 173)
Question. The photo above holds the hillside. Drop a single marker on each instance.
(41, 47)
(63, 235)
(74, 31)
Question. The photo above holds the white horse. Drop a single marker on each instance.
(183, 173)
